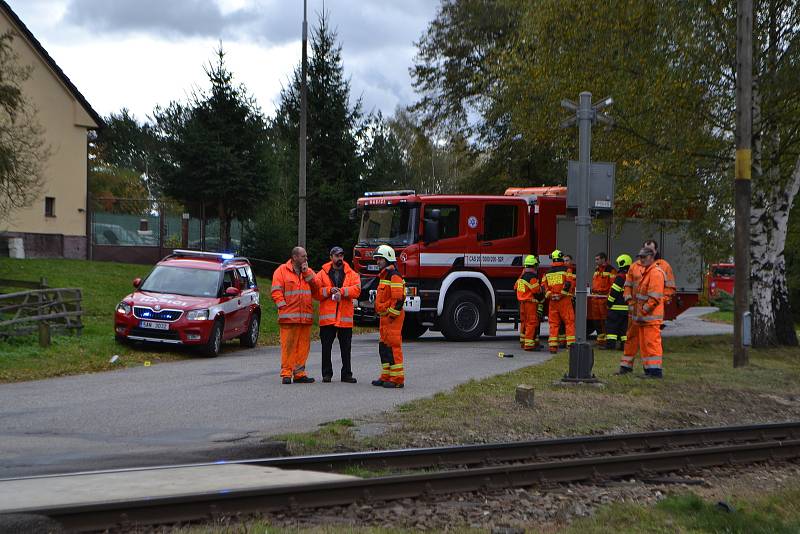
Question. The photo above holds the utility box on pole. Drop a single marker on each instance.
(601, 187)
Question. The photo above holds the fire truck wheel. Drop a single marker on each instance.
(411, 327)
(464, 316)
(213, 347)
(250, 338)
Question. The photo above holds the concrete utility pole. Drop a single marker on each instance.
(581, 356)
(301, 209)
(744, 134)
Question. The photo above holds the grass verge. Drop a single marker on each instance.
(104, 284)
(700, 388)
(725, 317)
(776, 513)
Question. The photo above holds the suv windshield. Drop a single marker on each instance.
(180, 281)
(390, 225)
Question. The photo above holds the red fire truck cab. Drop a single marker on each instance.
(461, 254)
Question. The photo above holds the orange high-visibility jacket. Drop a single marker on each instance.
(648, 306)
(558, 281)
(635, 274)
(669, 288)
(602, 279)
(292, 294)
(528, 288)
(337, 312)
(632, 280)
(391, 293)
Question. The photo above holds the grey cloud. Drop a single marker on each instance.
(376, 35)
(175, 18)
(360, 24)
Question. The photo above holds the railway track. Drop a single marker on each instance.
(537, 462)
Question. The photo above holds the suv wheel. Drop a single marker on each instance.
(214, 344)
(464, 316)
(250, 338)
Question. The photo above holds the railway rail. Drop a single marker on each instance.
(537, 462)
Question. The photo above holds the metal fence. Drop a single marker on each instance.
(143, 230)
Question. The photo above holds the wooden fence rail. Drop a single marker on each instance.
(43, 310)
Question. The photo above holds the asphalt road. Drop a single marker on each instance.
(224, 408)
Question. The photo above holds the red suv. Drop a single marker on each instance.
(192, 298)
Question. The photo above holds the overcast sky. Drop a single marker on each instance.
(139, 53)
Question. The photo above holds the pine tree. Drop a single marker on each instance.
(213, 149)
(335, 128)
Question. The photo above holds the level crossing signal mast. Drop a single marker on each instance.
(581, 356)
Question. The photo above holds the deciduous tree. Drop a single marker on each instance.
(23, 151)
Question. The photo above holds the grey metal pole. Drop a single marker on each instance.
(742, 186)
(583, 221)
(301, 209)
(581, 357)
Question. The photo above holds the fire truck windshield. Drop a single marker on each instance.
(390, 225)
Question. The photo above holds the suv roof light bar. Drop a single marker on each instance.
(220, 256)
(398, 193)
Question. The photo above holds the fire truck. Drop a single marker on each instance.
(462, 254)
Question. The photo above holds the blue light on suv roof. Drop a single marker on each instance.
(228, 256)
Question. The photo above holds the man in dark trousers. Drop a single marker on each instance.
(337, 285)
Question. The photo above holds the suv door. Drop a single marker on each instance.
(235, 313)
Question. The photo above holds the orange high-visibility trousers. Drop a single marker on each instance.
(529, 338)
(561, 313)
(631, 347)
(650, 346)
(295, 344)
(522, 325)
(390, 348)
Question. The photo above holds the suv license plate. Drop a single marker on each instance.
(154, 325)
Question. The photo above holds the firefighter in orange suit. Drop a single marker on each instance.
(528, 291)
(558, 285)
(570, 265)
(389, 300)
(337, 285)
(670, 287)
(648, 314)
(598, 309)
(631, 282)
(292, 286)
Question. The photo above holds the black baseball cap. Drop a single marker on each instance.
(337, 250)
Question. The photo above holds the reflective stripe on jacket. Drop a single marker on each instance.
(527, 286)
(632, 280)
(337, 312)
(616, 301)
(669, 284)
(602, 279)
(648, 301)
(391, 293)
(292, 294)
(558, 282)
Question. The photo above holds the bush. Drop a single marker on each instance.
(723, 301)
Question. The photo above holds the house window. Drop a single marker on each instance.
(49, 206)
